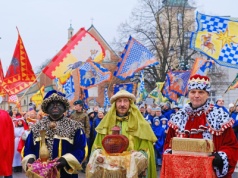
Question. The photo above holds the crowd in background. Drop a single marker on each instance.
(156, 115)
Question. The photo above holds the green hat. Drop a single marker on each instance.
(80, 102)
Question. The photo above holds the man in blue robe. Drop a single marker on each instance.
(65, 139)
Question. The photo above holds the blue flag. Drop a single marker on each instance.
(134, 58)
(92, 74)
(106, 99)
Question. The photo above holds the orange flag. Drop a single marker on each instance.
(19, 75)
(2, 91)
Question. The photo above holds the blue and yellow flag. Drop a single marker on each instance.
(217, 37)
(141, 91)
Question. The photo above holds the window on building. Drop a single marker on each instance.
(24, 102)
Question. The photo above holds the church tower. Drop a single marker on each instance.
(70, 31)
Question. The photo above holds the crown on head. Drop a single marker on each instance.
(199, 82)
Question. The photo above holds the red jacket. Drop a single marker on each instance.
(7, 143)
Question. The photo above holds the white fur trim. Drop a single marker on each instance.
(25, 160)
(225, 165)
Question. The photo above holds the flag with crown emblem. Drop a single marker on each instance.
(19, 75)
(217, 37)
(134, 58)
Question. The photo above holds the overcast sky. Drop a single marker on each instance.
(43, 24)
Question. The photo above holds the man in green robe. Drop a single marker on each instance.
(125, 114)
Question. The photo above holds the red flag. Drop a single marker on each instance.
(19, 75)
(2, 91)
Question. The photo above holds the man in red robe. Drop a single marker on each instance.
(200, 119)
(7, 144)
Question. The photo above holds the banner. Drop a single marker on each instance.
(37, 98)
(130, 87)
(217, 37)
(80, 48)
(19, 75)
(134, 58)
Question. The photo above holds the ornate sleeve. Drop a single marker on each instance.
(77, 155)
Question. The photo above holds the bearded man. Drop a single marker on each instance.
(125, 114)
(65, 138)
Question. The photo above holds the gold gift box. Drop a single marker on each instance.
(190, 145)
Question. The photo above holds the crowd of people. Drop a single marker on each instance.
(73, 136)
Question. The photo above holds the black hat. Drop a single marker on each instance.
(51, 96)
(80, 102)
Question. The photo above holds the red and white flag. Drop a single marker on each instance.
(13, 99)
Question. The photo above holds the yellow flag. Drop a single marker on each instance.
(38, 97)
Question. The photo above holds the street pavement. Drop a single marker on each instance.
(82, 175)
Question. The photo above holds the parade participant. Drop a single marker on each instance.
(80, 116)
(176, 108)
(148, 110)
(125, 114)
(20, 127)
(98, 119)
(201, 120)
(95, 110)
(159, 144)
(91, 117)
(231, 108)
(167, 111)
(31, 117)
(142, 110)
(164, 124)
(65, 138)
(7, 144)
(220, 101)
(149, 118)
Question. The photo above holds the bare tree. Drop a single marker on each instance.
(43, 65)
(164, 28)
